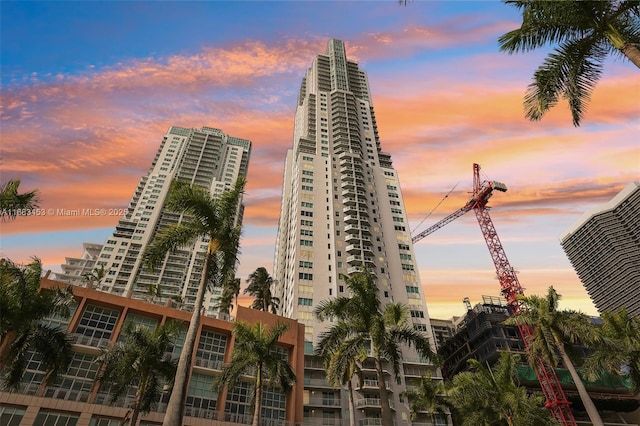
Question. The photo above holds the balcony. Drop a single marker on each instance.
(319, 383)
(351, 219)
(314, 363)
(90, 341)
(353, 248)
(323, 402)
(372, 403)
(210, 364)
(374, 421)
(369, 384)
(319, 421)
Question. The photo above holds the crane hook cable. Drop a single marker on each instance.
(434, 209)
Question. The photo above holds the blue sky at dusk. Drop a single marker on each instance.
(89, 89)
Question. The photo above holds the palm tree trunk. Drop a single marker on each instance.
(352, 404)
(257, 406)
(387, 415)
(592, 412)
(175, 406)
(632, 52)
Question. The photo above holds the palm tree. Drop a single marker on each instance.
(341, 365)
(142, 360)
(585, 32)
(363, 324)
(96, 276)
(429, 396)
(22, 306)
(488, 396)
(260, 283)
(213, 218)
(11, 202)
(224, 302)
(255, 353)
(553, 332)
(617, 348)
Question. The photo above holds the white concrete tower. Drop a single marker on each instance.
(342, 210)
(206, 157)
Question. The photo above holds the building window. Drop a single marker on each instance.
(406, 267)
(412, 289)
(305, 276)
(308, 243)
(53, 418)
(306, 264)
(97, 323)
(303, 301)
(417, 314)
(211, 349)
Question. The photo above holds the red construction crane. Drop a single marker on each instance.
(556, 401)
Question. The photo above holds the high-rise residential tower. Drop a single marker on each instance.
(604, 248)
(342, 211)
(206, 157)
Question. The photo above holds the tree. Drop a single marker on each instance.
(341, 365)
(11, 203)
(585, 32)
(255, 353)
(95, 276)
(142, 359)
(617, 348)
(260, 283)
(213, 218)
(553, 332)
(225, 302)
(488, 396)
(429, 396)
(363, 324)
(22, 307)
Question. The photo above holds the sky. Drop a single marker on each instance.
(88, 90)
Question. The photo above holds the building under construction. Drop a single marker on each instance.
(481, 335)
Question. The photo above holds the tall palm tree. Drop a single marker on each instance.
(361, 322)
(429, 396)
(486, 396)
(553, 331)
(213, 218)
(585, 32)
(255, 353)
(617, 348)
(260, 283)
(22, 306)
(11, 202)
(142, 360)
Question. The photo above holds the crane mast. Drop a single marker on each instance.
(556, 402)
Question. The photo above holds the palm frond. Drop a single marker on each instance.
(169, 240)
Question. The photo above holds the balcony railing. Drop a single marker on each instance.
(324, 402)
(94, 342)
(371, 402)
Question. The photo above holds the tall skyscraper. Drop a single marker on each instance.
(604, 248)
(206, 157)
(342, 211)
